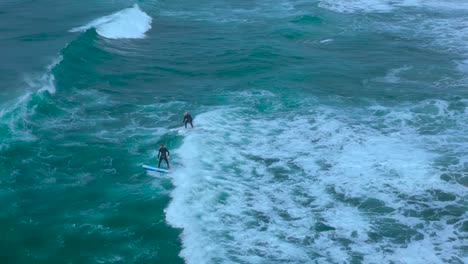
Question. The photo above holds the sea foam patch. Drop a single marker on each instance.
(128, 23)
(299, 188)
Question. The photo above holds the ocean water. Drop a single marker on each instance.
(329, 131)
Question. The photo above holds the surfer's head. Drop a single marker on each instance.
(185, 113)
(161, 145)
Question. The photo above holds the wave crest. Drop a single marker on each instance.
(128, 23)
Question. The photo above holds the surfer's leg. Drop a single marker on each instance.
(191, 124)
(159, 164)
(167, 163)
(185, 124)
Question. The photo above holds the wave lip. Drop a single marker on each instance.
(130, 23)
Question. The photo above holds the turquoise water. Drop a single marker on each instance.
(326, 131)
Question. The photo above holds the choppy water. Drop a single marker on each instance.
(329, 131)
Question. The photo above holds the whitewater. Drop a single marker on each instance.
(325, 132)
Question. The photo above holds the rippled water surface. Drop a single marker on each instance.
(325, 131)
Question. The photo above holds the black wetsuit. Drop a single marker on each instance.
(188, 120)
(162, 155)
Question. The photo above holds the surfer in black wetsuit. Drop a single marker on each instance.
(187, 119)
(163, 155)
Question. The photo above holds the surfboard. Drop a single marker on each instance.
(179, 130)
(184, 131)
(151, 168)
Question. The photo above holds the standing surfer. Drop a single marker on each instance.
(187, 119)
(163, 155)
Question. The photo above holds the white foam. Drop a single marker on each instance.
(128, 23)
(435, 4)
(326, 40)
(384, 6)
(393, 75)
(46, 81)
(254, 187)
(16, 113)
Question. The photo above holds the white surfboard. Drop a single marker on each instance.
(151, 168)
(180, 130)
(183, 130)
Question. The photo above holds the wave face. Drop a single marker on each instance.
(128, 23)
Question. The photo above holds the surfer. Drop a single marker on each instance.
(187, 119)
(163, 155)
